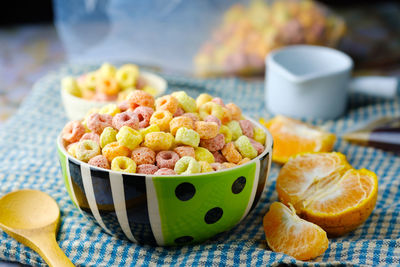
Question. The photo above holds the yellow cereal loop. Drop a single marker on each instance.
(159, 141)
(243, 161)
(123, 164)
(149, 129)
(202, 99)
(151, 90)
(87, 149)
(162, 119)
(234, 126)
(259, 135)
(226, 132)
(70, 85)
(187, 136)
(108, 135)
(205, 166)
(107, 70)
(129, 137)
(203, 154)
(125, 94)
(72, 149)
(110, 109)
(187, 103)
(187, 165)
(245, 147)
(127, 75)
(211, 108)
(228, 165)
(90, 81)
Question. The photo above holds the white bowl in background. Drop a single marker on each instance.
(76, 108)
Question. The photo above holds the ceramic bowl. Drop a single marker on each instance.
(166, 210)
(76, 107)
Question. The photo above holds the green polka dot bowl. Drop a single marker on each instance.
(166, 210)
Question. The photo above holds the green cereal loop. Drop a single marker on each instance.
(245, 147)
(234, 126)
(186, 102)
(123, 164)
(259, 135)
(86, 150)
(108, 136)
(203, 154)
(129, 137)
(187, 137)
(226, 132)
(187, 165)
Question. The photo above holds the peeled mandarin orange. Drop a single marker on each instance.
(292, 137)
(325, 190)
(288, 233)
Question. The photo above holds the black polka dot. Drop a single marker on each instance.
(185, 191)
(213, 215)
(238, 185)
(184, 239)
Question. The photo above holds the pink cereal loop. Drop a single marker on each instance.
(166, 159)
(218, 157)
(247, 128)
(98, 122)
(103, 97)
(144, 114)
(124, 106)
(212, 118)
(217, 166)
(143, 155)
(213, 144)
(218, 100)
(179, 112)
(146, 169)
(257, 146)
(99, 161)
(73, 131)
(91, 136)
(127, 118)
(165, 171)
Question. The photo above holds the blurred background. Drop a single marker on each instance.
(208, 38)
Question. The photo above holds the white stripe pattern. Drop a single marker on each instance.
(118, 194)
(88, 186)
(154, 212)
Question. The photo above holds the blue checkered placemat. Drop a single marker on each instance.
(28, 160)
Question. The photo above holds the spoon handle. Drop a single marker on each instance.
(48, 248)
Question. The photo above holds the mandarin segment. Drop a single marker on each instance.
(293, 137)
(287, 233)
(327, 191)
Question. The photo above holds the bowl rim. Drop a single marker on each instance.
(146, 74)
(267, 148)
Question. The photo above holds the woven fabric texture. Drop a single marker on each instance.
(28, 159)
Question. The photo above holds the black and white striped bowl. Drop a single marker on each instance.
(166, 210)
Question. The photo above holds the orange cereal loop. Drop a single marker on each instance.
(114, 149)
(226, 115)
(228, 165)
(141, 98)
(235, 111)
(179, 122)
(168, 103)
(185, 151)
(161, 118)
(231, 154)
(243, 161)
(206, 129)
(108, 86)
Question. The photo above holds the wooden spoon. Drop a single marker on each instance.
(32, 218)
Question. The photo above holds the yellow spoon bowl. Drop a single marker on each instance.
(32, 218)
